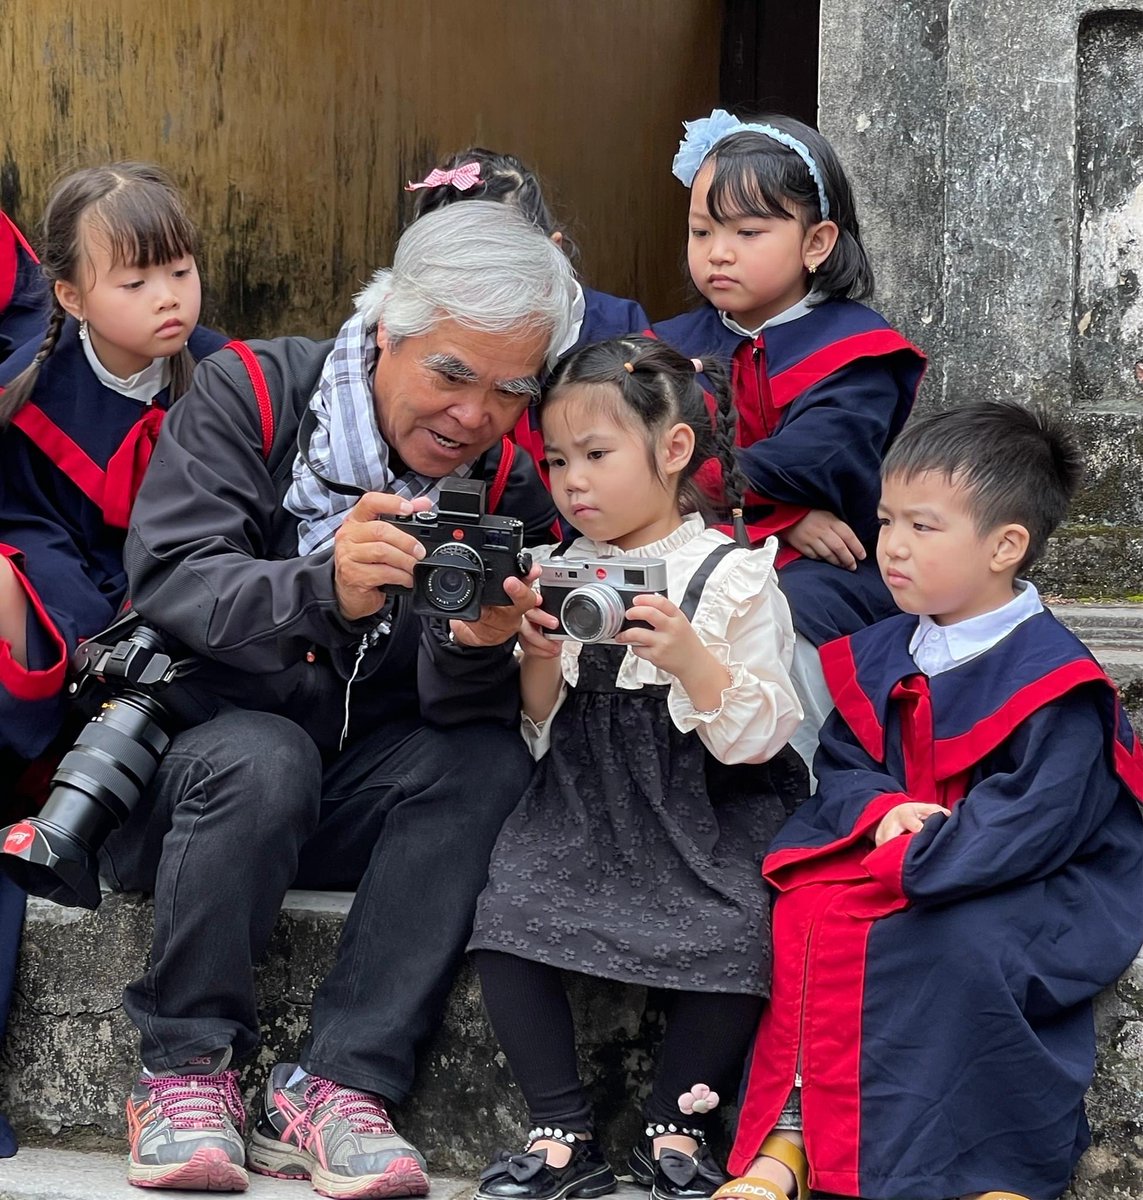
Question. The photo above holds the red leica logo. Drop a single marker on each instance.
(19, 837)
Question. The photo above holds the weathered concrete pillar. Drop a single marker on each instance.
(996, 150)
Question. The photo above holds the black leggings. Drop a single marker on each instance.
(706, 1040)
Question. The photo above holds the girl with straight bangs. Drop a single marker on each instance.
(480, 174)
(821, 382)
(661, 778)
(79, 414)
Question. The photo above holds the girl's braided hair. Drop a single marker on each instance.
(660, 387)
(137, 209)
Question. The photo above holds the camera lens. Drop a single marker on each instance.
(452, 586)
(592, 613)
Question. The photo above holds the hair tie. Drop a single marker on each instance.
(704, 134)
(466, 176)
(697, 364)
(629, 368)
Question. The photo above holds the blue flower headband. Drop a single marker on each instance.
(704, 134)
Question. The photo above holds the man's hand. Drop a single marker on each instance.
(370, 555)
(499, 622)
(905, 818)
(821, 535)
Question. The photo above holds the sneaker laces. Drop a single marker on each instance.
(364, 1112)
(198, 1101)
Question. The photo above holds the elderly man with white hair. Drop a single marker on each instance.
(335, 737)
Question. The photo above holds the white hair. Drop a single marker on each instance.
(479, 263)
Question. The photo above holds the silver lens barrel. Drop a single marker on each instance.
(592, 613)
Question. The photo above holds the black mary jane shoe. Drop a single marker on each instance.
(685, 1176)
(680, 1176)
(527, 1176)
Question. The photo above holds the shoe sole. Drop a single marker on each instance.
(604, 1182)
(637, 1169)
(403, 1176)
(207, 1170)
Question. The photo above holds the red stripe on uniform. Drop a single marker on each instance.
(787, 385)
(18, 681)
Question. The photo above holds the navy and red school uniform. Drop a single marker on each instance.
(820, 400)
(604, 317)
(935, 993)
(70, 464)
(23, 291)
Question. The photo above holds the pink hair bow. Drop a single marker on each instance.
(466, 176)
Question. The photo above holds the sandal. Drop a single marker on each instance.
(754, 1187)
(527, 1176)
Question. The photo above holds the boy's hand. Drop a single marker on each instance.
(826, 537)
(905, 818)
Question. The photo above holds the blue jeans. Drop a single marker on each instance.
(241, 810)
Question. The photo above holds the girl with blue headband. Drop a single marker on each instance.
(821, 382)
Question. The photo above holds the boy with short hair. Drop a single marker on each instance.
(969, 874)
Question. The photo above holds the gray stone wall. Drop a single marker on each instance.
(996, 151)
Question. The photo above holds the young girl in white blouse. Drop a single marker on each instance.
(635, 853)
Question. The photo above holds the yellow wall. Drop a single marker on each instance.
(293, 126)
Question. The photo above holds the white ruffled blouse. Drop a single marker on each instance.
(742, 618)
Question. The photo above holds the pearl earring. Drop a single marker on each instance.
(83, 329)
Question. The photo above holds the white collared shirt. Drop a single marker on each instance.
(937, 648)
(143, 386)
(800, 309)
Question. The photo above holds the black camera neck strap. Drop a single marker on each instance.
(306, 427)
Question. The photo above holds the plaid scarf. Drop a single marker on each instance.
(346, 445)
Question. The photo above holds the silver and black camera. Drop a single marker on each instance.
(468, 553)
(590, 596)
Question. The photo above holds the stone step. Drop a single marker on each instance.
(70, 1056)
(47, 1174)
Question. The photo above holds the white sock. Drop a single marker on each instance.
(299, 1074)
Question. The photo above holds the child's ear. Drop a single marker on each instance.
(69, 298)
(1010, 546)
(818, 244)
(677, 447)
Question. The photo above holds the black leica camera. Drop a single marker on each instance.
(468, 553)
(100, 779)
(591, 595)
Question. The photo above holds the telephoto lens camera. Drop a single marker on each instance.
(591, 596)
(100, 779)
(468, 553)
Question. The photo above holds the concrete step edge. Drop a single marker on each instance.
(42, 1173)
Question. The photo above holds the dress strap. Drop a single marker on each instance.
(698, 579)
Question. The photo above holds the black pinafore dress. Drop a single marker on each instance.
(635, 855)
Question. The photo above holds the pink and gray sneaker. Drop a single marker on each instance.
(339, 1138)
(184, 1128)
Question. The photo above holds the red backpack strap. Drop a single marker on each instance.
(261, 392)
(500, 482)
(62, 451)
